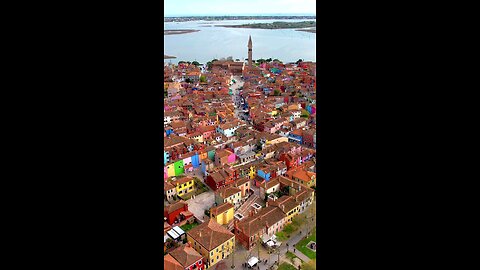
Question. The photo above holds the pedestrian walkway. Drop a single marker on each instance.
(283, 250)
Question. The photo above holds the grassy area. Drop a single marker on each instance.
(291, 256)
(199, 186)
(291, 228)
(311, 265)
(281, 236)
(301, 246)
(286, 266)
(188, 227)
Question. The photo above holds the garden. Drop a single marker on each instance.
(302, 245)
(291, 228)
(188, 227)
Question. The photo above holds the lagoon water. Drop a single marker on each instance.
(212, 42)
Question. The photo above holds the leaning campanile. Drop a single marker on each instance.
(250, 51)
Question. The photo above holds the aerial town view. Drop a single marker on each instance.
(239, 142)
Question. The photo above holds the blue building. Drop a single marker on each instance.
(196, 160)
(263, 175)
(292, 137)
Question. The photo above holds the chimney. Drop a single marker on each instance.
(266, 205)
(200, 234)
(283, 207)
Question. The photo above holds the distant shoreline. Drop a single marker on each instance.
(308, 30)
(168, 57)
(178, 32)
(274, 25)
(238, 17)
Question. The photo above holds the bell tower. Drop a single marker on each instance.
(250, 51)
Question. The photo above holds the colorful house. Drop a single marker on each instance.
(223, 213)
(265, 222)
(184, 185)
(178, 166)
(231, 195)
(188, 258)
(296, 136)
(212, 241)
(176, 212)
(170, 169)
(288, 205)
(195, 160)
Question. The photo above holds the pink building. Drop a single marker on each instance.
(231, 158)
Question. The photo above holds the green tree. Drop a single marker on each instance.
(196, 63)
(299, 61)
(276, 92)
(203, 79)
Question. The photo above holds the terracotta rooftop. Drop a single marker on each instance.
(284, 203)
(186, 255)
(182, 180)
(221, 208)
(210, 234)
(175, 206)
(169, 263)
(226, 192)
(267, 216)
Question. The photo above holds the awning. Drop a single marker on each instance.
(165, 238)
(252, 261)
(178, 230)
(173, 234)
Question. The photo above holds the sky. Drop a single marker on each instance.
(238, 7)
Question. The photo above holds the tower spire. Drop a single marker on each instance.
(250, 51)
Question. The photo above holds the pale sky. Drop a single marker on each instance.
(238, 7)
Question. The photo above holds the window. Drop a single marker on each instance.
(212, 260)
(200, 262)
(217, 257)
(211, 253)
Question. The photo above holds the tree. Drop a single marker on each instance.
(299, 61)
(196, 63)
(276, 92)
(269, 60)
(203, 79)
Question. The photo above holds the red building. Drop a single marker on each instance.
(216, 180)
(289, 160)
(308, 136)
(188, 257)
(176, 212)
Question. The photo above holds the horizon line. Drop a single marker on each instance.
(228, 15)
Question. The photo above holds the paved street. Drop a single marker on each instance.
(201, 203)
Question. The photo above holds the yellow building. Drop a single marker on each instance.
(211, 240)
(170, 169)
(252, 173)
(223, 213)
(184, 185)
(276, 139)
(304, 177)
(288, 205)
(231, 195)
